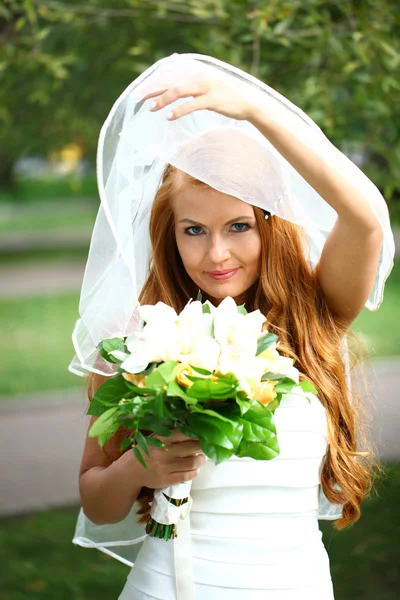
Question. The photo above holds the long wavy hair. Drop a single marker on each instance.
(288, 294)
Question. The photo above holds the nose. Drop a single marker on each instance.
(219, 250)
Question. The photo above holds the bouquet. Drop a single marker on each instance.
(210, 372)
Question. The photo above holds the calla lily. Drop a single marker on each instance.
(141, 353)
(159, 312)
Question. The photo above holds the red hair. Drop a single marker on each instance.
(288, 293)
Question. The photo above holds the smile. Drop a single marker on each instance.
(222, 275)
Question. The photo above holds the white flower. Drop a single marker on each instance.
(159, 312)
(237, 336)
(194, 342)
(141, 353)
(249, 368)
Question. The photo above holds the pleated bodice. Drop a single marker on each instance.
(253, 524)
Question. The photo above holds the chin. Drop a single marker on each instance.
(219, 292)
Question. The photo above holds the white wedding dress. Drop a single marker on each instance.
(252, 532)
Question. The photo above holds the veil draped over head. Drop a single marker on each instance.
(232, 156)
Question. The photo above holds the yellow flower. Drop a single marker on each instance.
(182, 370)
(269, 354)
(138, 380)
(264, 391)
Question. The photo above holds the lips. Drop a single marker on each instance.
(222, 274)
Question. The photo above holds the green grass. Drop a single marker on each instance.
(48, 215)
(42, 256)
(379, 331)
(37, 347)
(365, 558)
(39, 562)
(28, 190)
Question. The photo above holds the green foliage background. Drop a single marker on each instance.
(63, 64)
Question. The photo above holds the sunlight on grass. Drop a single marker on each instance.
(40, 348)
(380, 330)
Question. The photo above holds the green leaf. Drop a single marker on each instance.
(139, 390)
(126, 443)
(167, 370)
(187, 431)
(217, 432)
(153, 441)
(159, 404)
(216, 453)
(155, 380)
(207, 411)
(152, 423)
(241, 309)
(106, 435)
(258, 426)
(306, 386)
(175, 390)
(244, 405)
(201, 371)
(259, 451)
(104, 422)
(286, 386)
(109, 393)
(149, 369)
(139, 456)
(274, 377)
(141, 440)
(206, 389)
(265, 341)
(206, 309)
(109, 345)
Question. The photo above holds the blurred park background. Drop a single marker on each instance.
(62, 66)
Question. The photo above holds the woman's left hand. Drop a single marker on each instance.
(207, 94)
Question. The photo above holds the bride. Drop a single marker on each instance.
(251, 202)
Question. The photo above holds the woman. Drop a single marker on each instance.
(254, 524)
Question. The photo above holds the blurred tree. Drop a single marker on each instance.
(63, 64)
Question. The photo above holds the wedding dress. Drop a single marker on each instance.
(253, 525)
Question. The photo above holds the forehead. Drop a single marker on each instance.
(201, 202)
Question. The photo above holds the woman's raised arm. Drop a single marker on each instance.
(347, 267)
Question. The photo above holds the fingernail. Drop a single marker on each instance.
(153, 105)
(170, 115)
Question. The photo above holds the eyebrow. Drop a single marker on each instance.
(247, 217)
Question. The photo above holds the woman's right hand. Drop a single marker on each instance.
(180, 460)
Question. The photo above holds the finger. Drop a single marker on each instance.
(153, 94)
(185, 448)
(177, 436)
(194, 89)
(183, 477)
(189, 107)
(189, 463)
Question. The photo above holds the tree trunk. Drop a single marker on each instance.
(7, 179)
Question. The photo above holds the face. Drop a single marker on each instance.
(219, 242)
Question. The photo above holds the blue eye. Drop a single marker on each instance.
(188, 232)
(195, 230)
(243, 226)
